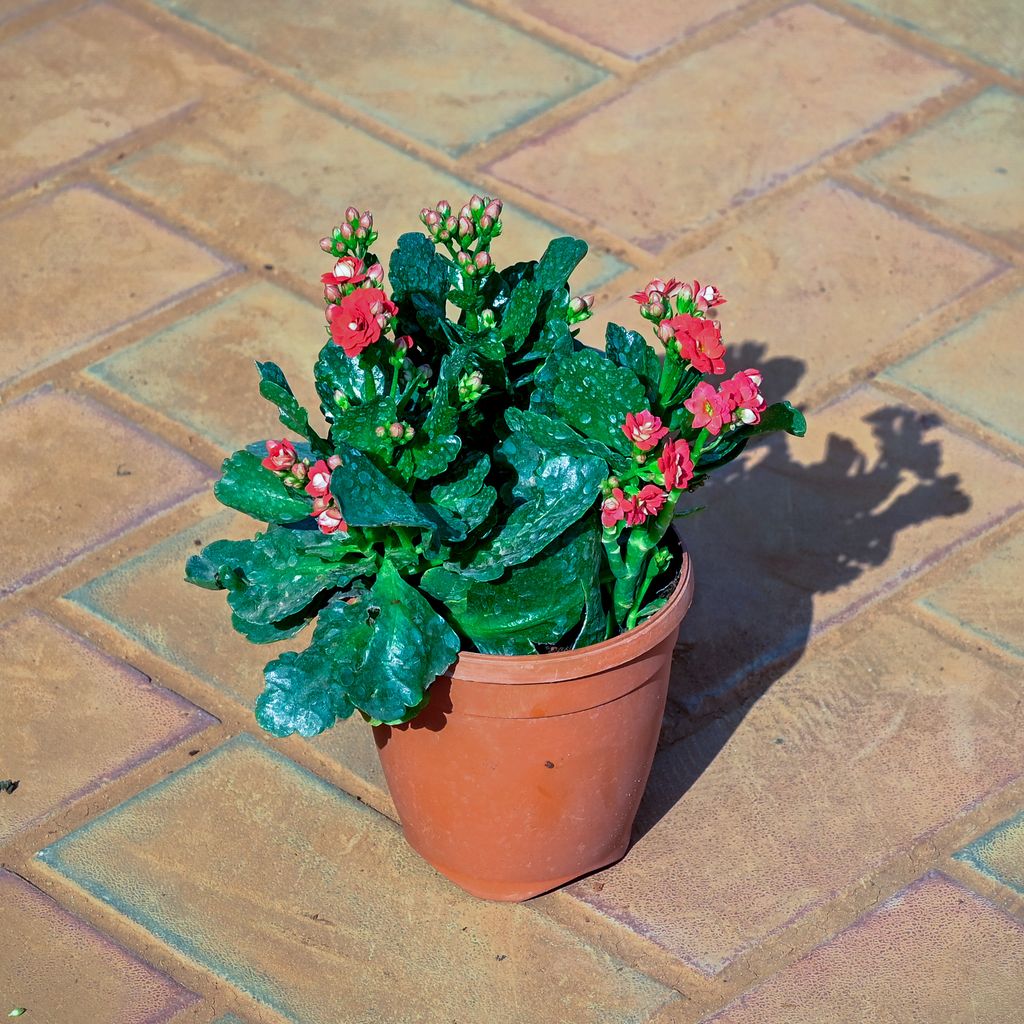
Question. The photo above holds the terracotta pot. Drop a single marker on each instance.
(525, 773)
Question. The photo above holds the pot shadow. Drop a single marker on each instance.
(777, 534)
(431, 718)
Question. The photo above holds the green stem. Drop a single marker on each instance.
(634, 612)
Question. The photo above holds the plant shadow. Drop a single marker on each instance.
(776, 535)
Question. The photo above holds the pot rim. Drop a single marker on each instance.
(520, 669)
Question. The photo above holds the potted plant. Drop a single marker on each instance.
(481, 531)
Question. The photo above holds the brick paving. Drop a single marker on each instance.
(834, 830)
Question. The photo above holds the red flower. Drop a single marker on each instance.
(710, 409)
(348, 270)
(648, 502)
(281, 455)
(331, 521)
(644, 430)
(744, 397)
(707, 297)
(700, 342)
(676, 465)
(658, 289)
(614, 508)
(319, 479)
(359, 319)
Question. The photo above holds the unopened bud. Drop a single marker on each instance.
(451, 223)
(331, 292)
(334, 461)
(346, 231)
(613, 482)
(376, 272)
(581, 303)
(476, 204)
(463, 258)
(409, 434)
(396, 430)
(493, 209)
(486, 223)
(483, 260)
(431, 218)
(640, 458)
(465, 228)
(380, 431)
(443, 207)
(366, 221)
(361, 234)
(487, 318)
(426, 371)
(685, 293)
(299, 471)
(665, 331)
(466, 212)
(352, 215)
(326, 244)
(469, 270)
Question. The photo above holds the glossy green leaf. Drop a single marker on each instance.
(357, 426)
(420, 279)
(628, 349)
(274, 387)
(463, 504)
(367, 497)
(342, 381)
(780, 416)
(246, 486)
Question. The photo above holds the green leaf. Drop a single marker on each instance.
(556, 436)
(274, 388)
(594, 395)
(553, 491)
(204, 569)
(437, 444)
(463, 503)
(628, 349)
(560, 259)
(535, 603)
(420, 280)
(780, 416)
(357, 426)
(521, 312)
(367, 497)
(272, 632)
(247, 486)
(354, 380)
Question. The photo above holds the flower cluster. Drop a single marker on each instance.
(468, 234)
(312, 477)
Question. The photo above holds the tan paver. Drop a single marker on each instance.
(57, 297)
(827, 281)
(934, 952)
(60, 969)
(91, 475)
(55, 732)
(999, 854)
(197, 371)
(362, 929)
(74, 84)
(784, 116)
(238, 170)
(148, 600)
(967, 168)
(977, 369)
(844, 763)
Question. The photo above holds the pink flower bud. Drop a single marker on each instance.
(493, 209)
(432, 218)
(352, 215)
(396, 430)
(361, 234)
(404, 342)
(423, 214)
(486, 223)
(334, 461)
(653, 310)
(384, 321)
(469, 270)
(465, 228)
(346, 231)
(410, 433)
(331, 292)
(380, 431)
(665, 331)
(376, 272)
(483, 260)
(366, 221)
(443, 207)
(451, 223)
(463, 258)
(326, 244)
(581, 303)
(299, 470)
(476, 204)
(466, 212)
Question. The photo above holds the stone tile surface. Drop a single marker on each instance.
(988, 30)
(981, 599)
(625, 30)
(934, 952)
(149, 601)
(783, 115)
(872, 495)
(463, 94)
(976, 369)
(60, 969)
(75, 719)
(796, 277)
(999, 853)
(314, 905)
(847, 760)
(79, 82)
(91, 475)
(237, 170)
(967, 168)
(195, 371)
(145, 266)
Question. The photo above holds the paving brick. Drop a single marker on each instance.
(934, 952)
(145, 266)
(989, 30)
(200, 372)
(967, 168)
(872, 495)
(238, 171)
(147, 599)
(462, 94)
(75, 719)
(976, 369)
(60, 969)
(826, 277)
(982, 599)
(313, 904)
(618, 28)
(846, 762)
(651, 184)
(999, 854)
(90, 476)
(84, 80)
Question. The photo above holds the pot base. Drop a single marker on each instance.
(505, 891)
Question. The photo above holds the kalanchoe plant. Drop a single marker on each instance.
(485, 482)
